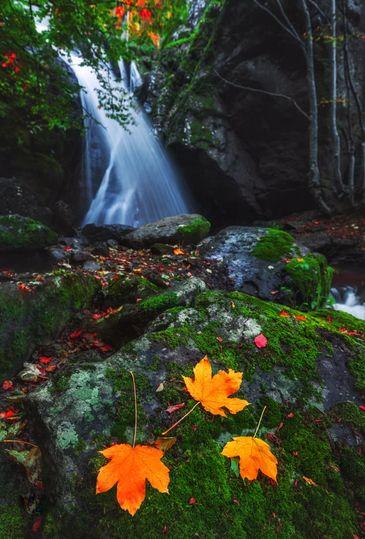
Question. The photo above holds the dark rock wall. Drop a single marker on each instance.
(244, 153)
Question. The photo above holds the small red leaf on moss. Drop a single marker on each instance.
(174, 408)
(362, 407)
(260, 341)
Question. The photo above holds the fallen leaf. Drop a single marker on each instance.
(300, 317)
(174, 407)
(130, 467)
(179, 251)
(284, 314)
(362, 407)
(310, 481)
(165, 442)
(160, 387)
(8, 414)
(260, 341)
(30, 373)
(192, 501)
(7, 385)
(45, 360)
(213, 391)
(254, 455)
(36, 526)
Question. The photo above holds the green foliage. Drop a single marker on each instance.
(36, 93)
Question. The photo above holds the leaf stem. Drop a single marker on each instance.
(260, 420)
(135, 409)
(181, 419)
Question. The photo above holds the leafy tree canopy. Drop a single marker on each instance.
(35, 89)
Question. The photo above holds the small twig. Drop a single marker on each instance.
(260, 420)
(266, 92)
(135, 409)
(19, 442)
(181, 419)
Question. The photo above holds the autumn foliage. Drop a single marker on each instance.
(213, 391)
(131, 466)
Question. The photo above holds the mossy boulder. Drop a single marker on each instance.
(29, 318)
(18, 232)
(268, 263)
(313, 428)
(187, 229)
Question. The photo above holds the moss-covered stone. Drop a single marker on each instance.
(29, 318)
(274, 245)
(17, 232)
(195, 231)
(310, 281)
(284, 376)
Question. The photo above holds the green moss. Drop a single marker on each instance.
(195, 231)
(274, 245)
(311, 280)
(30, 319)
(127, 289)
(22, 232)
(12, 522)
(159, 302)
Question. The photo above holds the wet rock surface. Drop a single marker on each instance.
(187, 229)
(104, 310)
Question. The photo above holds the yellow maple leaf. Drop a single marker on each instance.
(213, 391)
(254, 455)
(129, 468)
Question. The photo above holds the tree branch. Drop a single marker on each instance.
(265, 92)
(283, 26)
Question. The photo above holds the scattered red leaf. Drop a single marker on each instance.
(362, 407)
(24, 288)
(7, 385)
(284, 314)
(261, 341)
(8, 414)
(300, 317)
(192, 501)
(174, 408)
(45, 360)
(37, 525)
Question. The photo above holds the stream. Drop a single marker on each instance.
(349, 291)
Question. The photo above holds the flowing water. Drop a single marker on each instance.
(350, 298)
(128, 176)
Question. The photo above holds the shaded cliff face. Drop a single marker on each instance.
(243, 152)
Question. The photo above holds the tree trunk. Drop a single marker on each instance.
(336, 141)
(314, 172)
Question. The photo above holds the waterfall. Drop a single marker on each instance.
(348, 301)
(129, 178)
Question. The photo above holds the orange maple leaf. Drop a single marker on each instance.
(213, 391)
(130, 467)
(254, 455)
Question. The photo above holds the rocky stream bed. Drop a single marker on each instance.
(155, 301)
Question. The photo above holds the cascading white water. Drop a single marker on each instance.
(349, 302)
(129, 178)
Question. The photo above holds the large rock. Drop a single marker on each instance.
(228, 104)
(268, 263)
(95, 233)
(186, 229)
(312, 428)
(32, 316)
(18, 198)
(18, 232)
